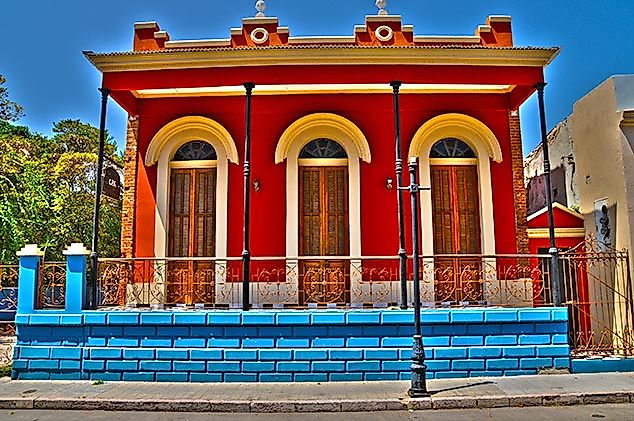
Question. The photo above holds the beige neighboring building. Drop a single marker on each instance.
(592, 160)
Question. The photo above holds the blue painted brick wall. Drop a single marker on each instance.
(314, 345)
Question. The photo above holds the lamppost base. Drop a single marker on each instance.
(418, 388)
(418, 393)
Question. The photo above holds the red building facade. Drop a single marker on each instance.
(323, 189)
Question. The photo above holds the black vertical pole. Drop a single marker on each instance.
(418, 386)
(402, 254)
(94, 254)
(555, 281)
(246, 254)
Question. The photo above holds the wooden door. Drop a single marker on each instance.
(456, 225)
(323, 231)
(192, 233)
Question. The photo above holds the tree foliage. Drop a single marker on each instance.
(9, 110)
(47, 190)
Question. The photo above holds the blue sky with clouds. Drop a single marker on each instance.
(42, 41)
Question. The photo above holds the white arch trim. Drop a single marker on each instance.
(161, 151)
(466, 128)
(193, 128)
(323, 125)
(486, 147)
(294, 138)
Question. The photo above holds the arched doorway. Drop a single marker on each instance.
(455, 221)
(192, 223)
(323, 222)
(347, 135)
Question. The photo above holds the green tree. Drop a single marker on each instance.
(74, 172)
(24, 194)
(9, 110)
(47, 187)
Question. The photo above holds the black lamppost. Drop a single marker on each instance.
(246, 253)
(402, 254)
(94, 254)
(418, 386)
(555, 281)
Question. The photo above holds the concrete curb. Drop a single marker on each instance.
(286, 406)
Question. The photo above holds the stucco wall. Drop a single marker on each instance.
(601, 162)
(272, 115)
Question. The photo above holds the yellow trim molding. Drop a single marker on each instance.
(192, 128)
(559, 232)
(322, 125)
(194, 164)
(324, 88)
(453, 161)
(321, 55)
(321, 162)
(466, 128)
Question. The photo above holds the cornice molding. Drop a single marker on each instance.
(319, 55)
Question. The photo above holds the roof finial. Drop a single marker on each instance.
(381, 5)
(260, 6)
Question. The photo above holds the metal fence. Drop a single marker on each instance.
(597, 288)
(8, 306)
(322, 281)
(8, 290)
(51, 286)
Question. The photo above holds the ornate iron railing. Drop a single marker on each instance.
(323, 281)
(8, 306)
(7, 341)
(8, 289)
(51, 286)
(597, 288)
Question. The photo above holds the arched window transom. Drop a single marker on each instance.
(451, 148)
(323, 148)
(196, 150)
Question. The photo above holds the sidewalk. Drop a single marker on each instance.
(542, 390)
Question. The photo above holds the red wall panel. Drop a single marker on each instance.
(272, 115)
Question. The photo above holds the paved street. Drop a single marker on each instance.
(590, 412)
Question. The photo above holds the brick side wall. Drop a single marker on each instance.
(287, 345)
(519, 191)
(131, 163)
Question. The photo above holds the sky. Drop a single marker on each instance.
(42, 42)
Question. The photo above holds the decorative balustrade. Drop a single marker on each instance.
(323, 281)
(8, 289)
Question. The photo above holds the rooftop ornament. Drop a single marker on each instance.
(381, 4)
(260, 6)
